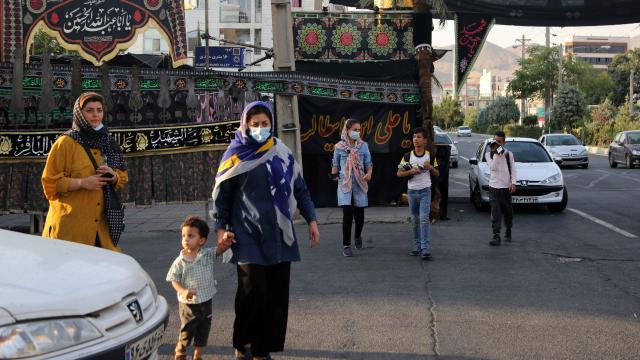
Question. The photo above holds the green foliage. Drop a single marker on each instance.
(530, 120)
(514, 130)
(447, 114)
(41, 40)
(619, 71)
(604, 113)
(568, 109)
(502, 111)
(471, 119)
(594, 84)
(538, 68)
(492, 128)
(601, 130)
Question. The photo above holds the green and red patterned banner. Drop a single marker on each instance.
(353, 36)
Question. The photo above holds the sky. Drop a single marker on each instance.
(504, 35)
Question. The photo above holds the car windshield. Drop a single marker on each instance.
(633, 138)
(442, 139)
(562, 140)
(463, 128)
(525, 152)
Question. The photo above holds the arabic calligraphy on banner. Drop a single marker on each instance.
(98, 29)
(38, 144)
(471, 32)
(385, 128)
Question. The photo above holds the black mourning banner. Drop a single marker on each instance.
(15, 145)
(471, 33)
(535, 12)
(99, 29)
(386, 128)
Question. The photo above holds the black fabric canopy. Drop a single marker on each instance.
(543, 12)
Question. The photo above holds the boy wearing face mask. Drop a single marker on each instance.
(352, 168)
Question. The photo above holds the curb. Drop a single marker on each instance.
(593, 150)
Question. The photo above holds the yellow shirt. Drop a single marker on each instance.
(75, 215)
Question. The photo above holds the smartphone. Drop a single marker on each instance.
(500, 150)
(107, 175)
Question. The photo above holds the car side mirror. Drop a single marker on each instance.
(473, 161)
(558, 161)
(455, 142)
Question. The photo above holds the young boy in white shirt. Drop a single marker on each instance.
(417, 165)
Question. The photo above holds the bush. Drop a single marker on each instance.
(530, 120)
(514, 130)
(491, 129)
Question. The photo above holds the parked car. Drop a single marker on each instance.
(437, 129)
(63, 300)
(625, 149)
(443, 138)
(539, 178)
(464, 131)
(567, 147)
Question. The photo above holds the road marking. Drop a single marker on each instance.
(467, 159)
(459, 183)
(603, 223)
(594, 182)
(620, 175)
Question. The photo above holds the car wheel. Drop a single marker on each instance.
(476, 199)
(559, 207)
(612, 163)
(585, 166)
(454, 165)
(627, 161)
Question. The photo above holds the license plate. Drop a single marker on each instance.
(524, 199)
(145, 346)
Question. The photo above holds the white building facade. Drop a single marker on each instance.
(242, 21)
(598, 51)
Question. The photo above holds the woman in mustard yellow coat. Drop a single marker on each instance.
(76, 190)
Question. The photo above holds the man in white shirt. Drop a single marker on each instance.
(501, 185)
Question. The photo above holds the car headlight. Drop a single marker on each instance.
(551, 179)
(583, 152)
(46, 336)
(635, 152)
(152, 285)
(487, 175)
(454, 151)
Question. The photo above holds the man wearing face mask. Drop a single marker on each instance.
(502, 184)
(352, 168)
(258, 187)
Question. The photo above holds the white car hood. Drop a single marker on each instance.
(567, 149)
(42, 277)
(536, 171)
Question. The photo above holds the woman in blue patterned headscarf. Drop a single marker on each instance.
(258, 187)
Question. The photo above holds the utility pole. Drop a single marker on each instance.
(286, 105)
(547, 93)
(523, 45)
(206, 55)
(631, 90)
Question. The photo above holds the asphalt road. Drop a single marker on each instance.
(568, 287)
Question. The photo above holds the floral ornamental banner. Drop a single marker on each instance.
(26, 145)
(471, 33)
(353, 37)
(97, 29)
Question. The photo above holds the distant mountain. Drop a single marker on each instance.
(500, 61)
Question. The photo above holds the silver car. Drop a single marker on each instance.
(443, 138)
(568, 148)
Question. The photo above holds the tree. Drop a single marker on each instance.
(471, 119)
(41, 40)
(619, 70)
(447, 114)
(568, 108)
(604, 113)
(594, 84)
(540, 67)
(502, 111)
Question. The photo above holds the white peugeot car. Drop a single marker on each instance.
(62, 300)
(464, 131)
(539, 179)
(567, 147)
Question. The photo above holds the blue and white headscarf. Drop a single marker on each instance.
(245, 154)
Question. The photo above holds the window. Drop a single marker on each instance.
(153, 42)
(258, 14)
(525, 152)
(235, 11)
(562, 140)
(257, 41)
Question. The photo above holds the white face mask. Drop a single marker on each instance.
(97, 128)
(260, 134)
(354, 135)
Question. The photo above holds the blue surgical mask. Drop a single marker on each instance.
(260, 134)
(354, 135)
(97, 128)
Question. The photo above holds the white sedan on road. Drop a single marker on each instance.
(539, 178)
(567, 147)
(443, 138)
(62, 300)
(464, 131)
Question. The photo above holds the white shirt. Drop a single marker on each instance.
(423, 179)
(500, 178)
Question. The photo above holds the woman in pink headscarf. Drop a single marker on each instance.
(352, 168)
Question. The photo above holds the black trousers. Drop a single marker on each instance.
(195, 324)
(349, 213)
(262, 308)
(500, 200)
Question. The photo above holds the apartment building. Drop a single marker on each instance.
(598, 51)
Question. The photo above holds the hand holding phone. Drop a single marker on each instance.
(107, 175)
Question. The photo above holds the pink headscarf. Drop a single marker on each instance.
(353, 161)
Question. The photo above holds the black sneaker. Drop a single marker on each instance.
(414, 252)
(507, 235)
(346, 251)
(358, 242)
(425, 256)
(495, 241)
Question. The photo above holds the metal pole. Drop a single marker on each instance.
(523, 44)
(547, 94)
(206, 55)
(631, 90)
